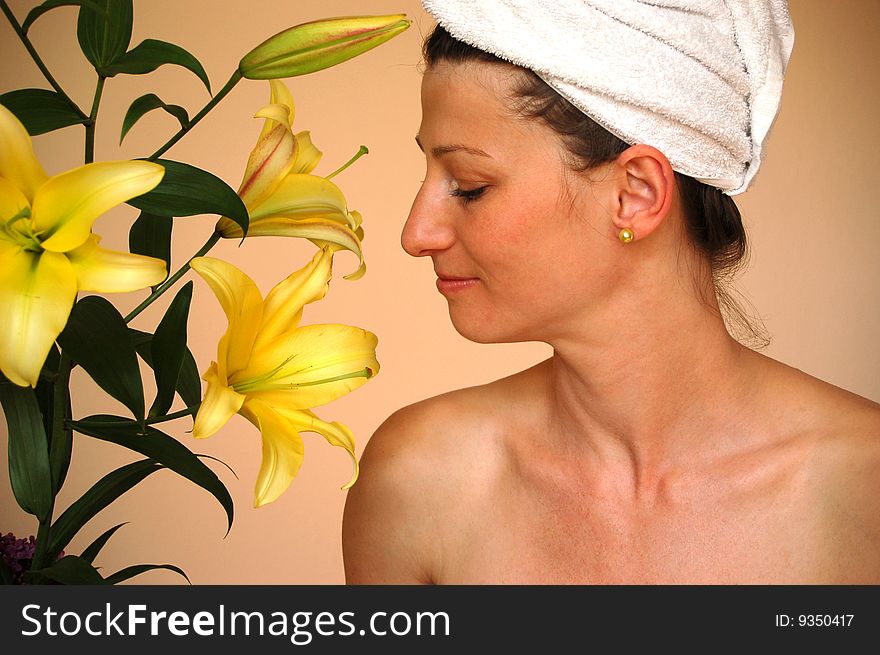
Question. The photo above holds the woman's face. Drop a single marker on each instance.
(519, 243)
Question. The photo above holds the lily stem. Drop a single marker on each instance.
(222, 93)
(162, 288)
(93, 117)
(41, 546)
(37, 59)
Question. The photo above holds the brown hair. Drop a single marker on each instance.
(713, 220)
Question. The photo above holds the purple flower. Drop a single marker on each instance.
(18, 554)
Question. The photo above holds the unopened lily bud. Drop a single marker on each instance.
(319, 44)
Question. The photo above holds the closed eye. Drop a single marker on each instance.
(468, 195)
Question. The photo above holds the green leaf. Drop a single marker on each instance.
(96, 338)
(160, 447)
(169, 348)
(104, 37)
(147, 103)
(150, 235)
(137, 569)
(36, 12)
(90, 553)
(53, 397)
(29, 472)
(188, 382)
(150, 54)
(101, 494)
(41, 110)
(187, 191)
(70, 570)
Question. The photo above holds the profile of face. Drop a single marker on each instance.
(523, 247)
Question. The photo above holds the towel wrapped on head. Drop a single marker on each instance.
(700, 80)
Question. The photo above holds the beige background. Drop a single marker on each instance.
(812, 214)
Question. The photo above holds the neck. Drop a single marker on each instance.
(652, 396)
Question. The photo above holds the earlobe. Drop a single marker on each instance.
(645, 189)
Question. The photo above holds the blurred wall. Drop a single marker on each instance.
(812, 215)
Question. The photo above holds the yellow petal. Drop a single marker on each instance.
(242, 303)
(66, 205)
(323, 232)
(13, 203)
(282, 450)
(307, 155)
(315, 365)
(303, 196)
(18, 163)
(280, 107)
(282, 308)
(37, 291)
(276, 113)
(218, 406)
(337, 435)
(111, 271)
(269, 162)
(281, 95)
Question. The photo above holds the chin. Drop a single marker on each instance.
(484, 329)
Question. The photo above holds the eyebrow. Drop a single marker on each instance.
(439, 151)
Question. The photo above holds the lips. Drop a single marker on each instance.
(447, 284)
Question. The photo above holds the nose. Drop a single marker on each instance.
(426, 230)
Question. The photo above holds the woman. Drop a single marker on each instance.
(652, 447)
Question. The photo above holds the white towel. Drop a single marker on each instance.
(700, 80)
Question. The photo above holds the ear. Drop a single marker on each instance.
(644, 190)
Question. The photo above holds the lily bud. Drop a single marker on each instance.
(319, 44)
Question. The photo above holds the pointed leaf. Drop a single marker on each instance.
(186, 191)
(169, 348)
(36, 12)
(96, 338)
(105, 37)
(150, 54)
(90, 553)
(137, 569)
(101, 494)
(41, 110)
(148, 103)
(160, 447)
(29, 472)
(151, 235)
(189, 384)
(53, 397)
(70, 570)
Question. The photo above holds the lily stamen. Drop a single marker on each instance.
(281, 386)
(363, 150)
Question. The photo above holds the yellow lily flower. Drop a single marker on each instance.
(47, 250)
(282, 197)
(272, 371)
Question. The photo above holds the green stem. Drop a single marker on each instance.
(222, 93)
(93, 117)
(167, 284)
(42, 543)
(37, 59)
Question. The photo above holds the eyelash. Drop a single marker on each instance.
(468, 195)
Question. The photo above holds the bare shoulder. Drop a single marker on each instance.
(421, 473)
(844, 467)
